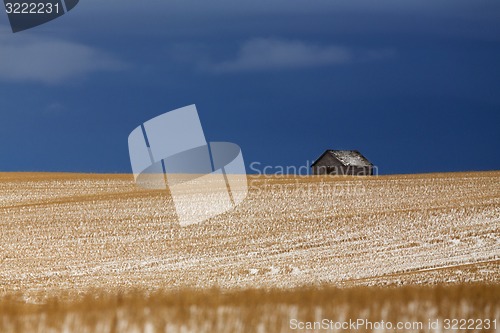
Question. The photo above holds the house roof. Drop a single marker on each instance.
(347, 157)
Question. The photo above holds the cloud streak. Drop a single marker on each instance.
(278, 54)
(26, 58)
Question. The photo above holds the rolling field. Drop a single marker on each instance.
(67, 237)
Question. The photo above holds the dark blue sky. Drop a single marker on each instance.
(414, 85)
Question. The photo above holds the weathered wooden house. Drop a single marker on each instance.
(342, 162)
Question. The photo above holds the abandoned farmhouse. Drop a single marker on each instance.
(342, 162)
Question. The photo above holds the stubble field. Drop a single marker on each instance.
(74, 243)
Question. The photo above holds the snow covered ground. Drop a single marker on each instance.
(71, 233)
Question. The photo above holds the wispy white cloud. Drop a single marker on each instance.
(269, 53)
(55, 108)
(28, 58)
